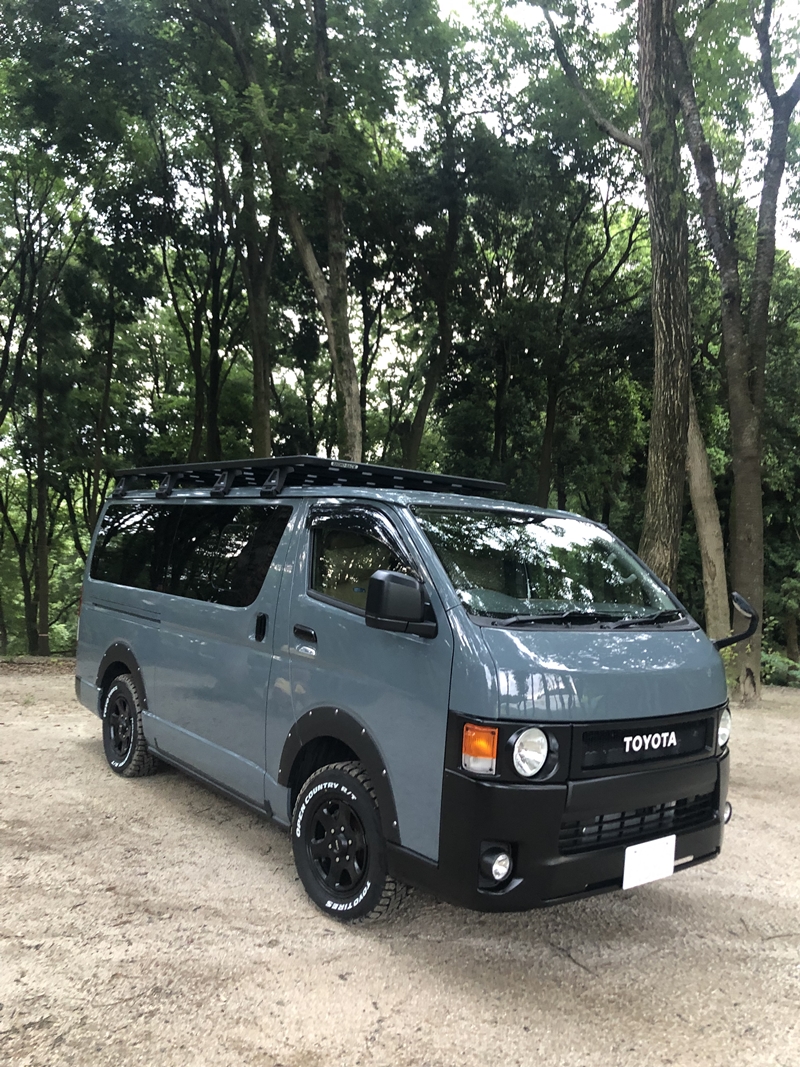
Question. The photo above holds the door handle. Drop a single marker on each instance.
(305, 632)
(261, 626)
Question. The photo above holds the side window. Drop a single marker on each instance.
(344, 560)
(133, 545)
(222, 552)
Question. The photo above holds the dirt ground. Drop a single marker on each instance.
(153, 922)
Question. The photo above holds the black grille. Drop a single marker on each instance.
(642, 742)
(600, 831)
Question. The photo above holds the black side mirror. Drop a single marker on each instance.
(397, 602)
(750, 613)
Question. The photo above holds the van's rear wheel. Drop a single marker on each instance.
(339, 849)
(123, 736)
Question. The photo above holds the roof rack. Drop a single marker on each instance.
(275, 474)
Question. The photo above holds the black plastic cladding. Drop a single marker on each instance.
(119, 652)
(338, 725)
(529, 816)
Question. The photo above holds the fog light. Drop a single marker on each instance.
(724, 730)
(728, 813)
(496, 864)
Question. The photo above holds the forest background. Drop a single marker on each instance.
(539, 247)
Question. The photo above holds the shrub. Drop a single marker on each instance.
(778, 669)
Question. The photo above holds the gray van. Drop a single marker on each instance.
(429, 686)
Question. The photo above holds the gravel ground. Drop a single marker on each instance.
(153, 922)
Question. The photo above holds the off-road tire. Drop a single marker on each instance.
(123, 736)
(339, 847)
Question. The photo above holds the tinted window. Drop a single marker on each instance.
(344, 561)
(222, 552)
(133, 545)
(217, 552)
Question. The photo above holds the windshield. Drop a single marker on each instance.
(506, 566)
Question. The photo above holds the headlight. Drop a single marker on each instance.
(724, 730)
(530, 752)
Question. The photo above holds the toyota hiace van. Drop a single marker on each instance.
(427, 685)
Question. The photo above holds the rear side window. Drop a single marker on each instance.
(133, 545)
(219, 553)
(222, 552)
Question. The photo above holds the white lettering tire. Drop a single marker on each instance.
(123, 737)
(339, 848)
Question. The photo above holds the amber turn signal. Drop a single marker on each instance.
(479, 749)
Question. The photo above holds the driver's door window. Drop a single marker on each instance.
(345, 559)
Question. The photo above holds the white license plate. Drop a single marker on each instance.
(649, 861)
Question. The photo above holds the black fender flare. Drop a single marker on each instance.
(119, 652)
(338, 724)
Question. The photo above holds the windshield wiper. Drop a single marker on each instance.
(568, 616)
(667, 615)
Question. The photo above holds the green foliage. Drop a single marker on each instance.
(778, 669)
(479, 198)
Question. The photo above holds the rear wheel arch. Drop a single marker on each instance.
(119, 659)
(330, 735)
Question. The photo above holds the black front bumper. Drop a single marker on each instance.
(531, 821)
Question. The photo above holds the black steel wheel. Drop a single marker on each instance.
(339, 849)
(123, 737)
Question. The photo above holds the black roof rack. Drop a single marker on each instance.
(272, 475)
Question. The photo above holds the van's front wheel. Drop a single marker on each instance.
(339, 849)
(123, 736)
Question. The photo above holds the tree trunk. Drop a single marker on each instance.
(659, 148)
(331, 296)
(433, 375)
(709, 530)
(790, 627)
(3, 631)
(561, 485)
(29, 600)
(214, 388)
(102, 415)
(257, 265)
(339, 344)
(196, 446)
(546, 458)
(499, 446)
(334, 305)
(745, 348)
(666, 462)
(22, 545)
(747, 539)
(438, 280)
(42, 553)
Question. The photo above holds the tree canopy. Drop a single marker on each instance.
(543, 246)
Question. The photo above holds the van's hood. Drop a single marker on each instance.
(578, 675)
